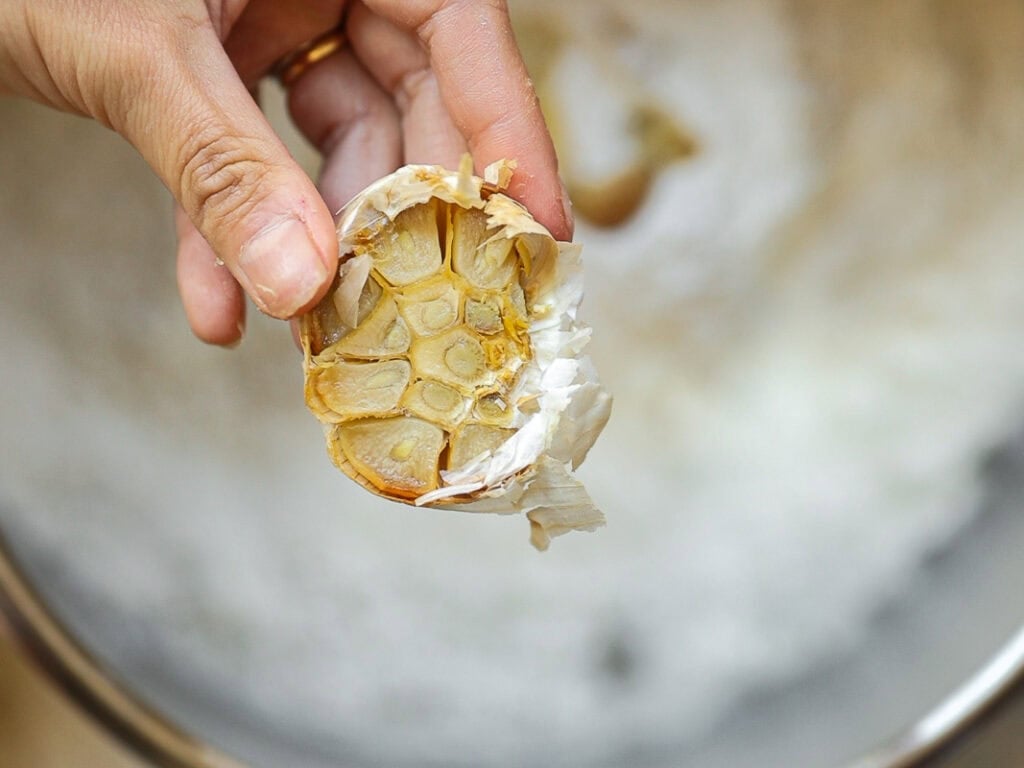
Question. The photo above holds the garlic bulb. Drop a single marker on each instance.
(446, 361)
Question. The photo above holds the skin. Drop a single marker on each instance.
(420, 81)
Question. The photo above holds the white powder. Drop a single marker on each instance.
(813, 333)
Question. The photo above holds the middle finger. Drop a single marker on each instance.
(397, 61)
(351, 121)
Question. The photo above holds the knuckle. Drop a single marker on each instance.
(477, 7)
(412, 84)
(221, 178)
(454, 15)
(370, 114)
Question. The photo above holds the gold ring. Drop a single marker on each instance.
(290, 67)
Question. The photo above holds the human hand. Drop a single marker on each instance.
(419, 81)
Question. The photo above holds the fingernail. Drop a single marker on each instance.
(281, 268)
(570, 218)
(240, 325)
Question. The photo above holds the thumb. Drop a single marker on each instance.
(188, 113)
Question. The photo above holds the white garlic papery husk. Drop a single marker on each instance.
(446, 363)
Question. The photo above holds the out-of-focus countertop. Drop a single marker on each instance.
(998, 741)
(40, 728)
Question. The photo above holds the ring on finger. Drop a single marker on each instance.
(294, 64)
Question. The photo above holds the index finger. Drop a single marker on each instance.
(489, 95)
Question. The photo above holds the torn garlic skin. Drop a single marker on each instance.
(446, 361)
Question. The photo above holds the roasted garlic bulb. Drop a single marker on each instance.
(445, 362)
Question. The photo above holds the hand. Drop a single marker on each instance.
(419, 81)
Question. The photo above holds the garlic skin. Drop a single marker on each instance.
(520, 293)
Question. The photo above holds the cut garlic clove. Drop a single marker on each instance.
(344, 390)
(384, 333)
(437, 403)
(409, 251)
(485, 261)
(484, 315)
(471, 441)
(430, 307)
(396, 455)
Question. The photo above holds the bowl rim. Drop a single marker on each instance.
(154, 737)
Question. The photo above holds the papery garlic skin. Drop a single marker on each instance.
(446, 363)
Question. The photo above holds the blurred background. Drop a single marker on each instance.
(803, 233)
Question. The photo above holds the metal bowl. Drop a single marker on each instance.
(96, 350)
